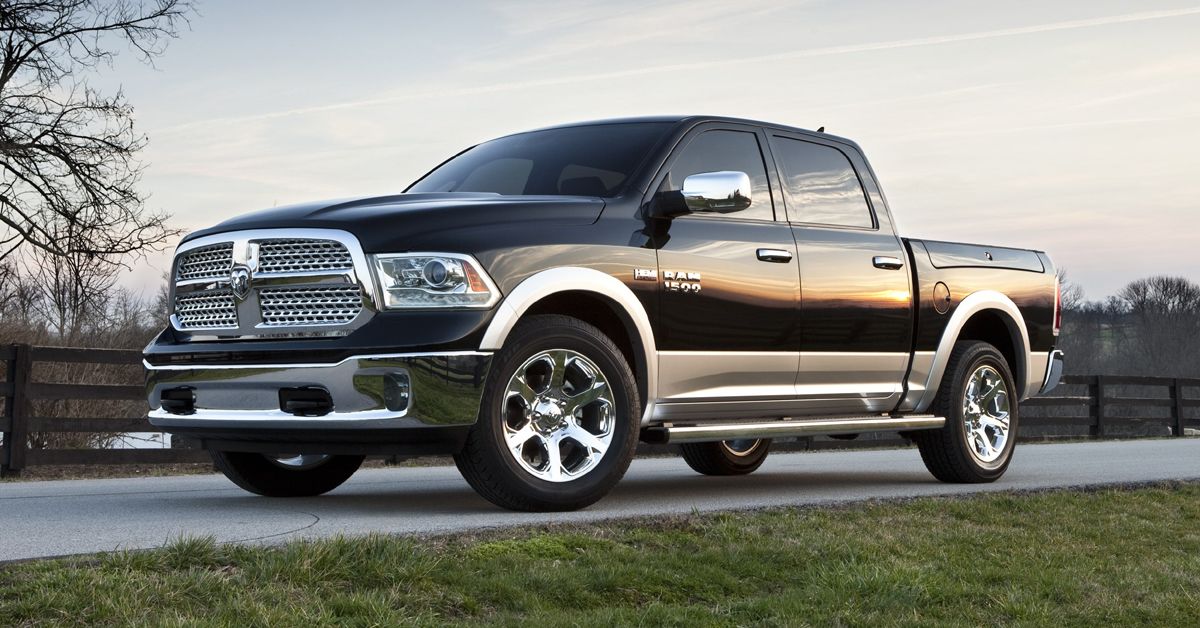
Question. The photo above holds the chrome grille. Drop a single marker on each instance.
(302, 282)
(296, 255)
(288, 307)
(209, 262)
(206, 309)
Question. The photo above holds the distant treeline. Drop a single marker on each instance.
(67, 301)
(1150, 327)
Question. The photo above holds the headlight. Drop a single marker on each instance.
(428, 280)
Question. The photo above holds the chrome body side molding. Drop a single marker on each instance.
(574, 278)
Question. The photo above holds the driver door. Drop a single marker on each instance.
(729, 289)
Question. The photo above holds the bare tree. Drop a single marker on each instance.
(67, 152)
(74, 290)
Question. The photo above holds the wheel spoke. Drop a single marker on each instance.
(588, 440)
(516, 440)
(996, 422)
(598, 390)
(991, 394)
(558, 374)
(518, 386)
(553, 458)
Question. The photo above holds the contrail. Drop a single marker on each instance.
(1142, 16)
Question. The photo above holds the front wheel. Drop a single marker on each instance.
(727, 457)
(978, 398)
(557, 427)
(286, 475)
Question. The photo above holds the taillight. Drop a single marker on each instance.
(1057, 307)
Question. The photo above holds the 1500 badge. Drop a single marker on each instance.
(680, 281)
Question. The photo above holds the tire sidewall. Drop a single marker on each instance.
(751, 459)
(528, 341)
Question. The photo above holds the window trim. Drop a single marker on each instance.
(775, 135)
(774, 192)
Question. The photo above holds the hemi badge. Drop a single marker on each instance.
(645, 274)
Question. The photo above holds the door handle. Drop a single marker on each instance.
(779, 256)
(888, 263)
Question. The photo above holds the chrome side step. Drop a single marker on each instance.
(788, 427)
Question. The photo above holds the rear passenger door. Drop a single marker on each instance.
(856, 313)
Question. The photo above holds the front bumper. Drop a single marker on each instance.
(391, 392)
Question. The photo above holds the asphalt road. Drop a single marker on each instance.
(53, 518)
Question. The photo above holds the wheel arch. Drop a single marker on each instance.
(992, 317)
(594, 297)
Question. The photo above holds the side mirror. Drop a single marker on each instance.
(721, 192)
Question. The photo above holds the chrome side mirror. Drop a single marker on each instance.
(723, 192)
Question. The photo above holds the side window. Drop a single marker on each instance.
(714, 151)
(821, 185)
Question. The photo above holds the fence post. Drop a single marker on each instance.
(1099, 407)
(1177, 395)
(17, 409)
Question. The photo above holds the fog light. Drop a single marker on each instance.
(397, 391)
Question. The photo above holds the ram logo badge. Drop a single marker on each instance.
(681, 281)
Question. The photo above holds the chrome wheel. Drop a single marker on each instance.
(986, 414)
(298, 462)
(558, 415)
(741, 446)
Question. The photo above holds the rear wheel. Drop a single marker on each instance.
(557, 427)
(286, 475)
(727, 457)
(978, 398)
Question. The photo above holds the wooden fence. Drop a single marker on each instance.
(1102, 406)
(22, 394)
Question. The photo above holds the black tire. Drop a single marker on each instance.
(487, 464)
(946, 451)
(259, 474)
(726, 457)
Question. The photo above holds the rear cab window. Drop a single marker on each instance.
(820, 185)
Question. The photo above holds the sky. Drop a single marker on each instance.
(1069, 127)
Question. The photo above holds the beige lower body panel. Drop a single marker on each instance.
(698, 385)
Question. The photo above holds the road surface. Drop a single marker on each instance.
(54, 518)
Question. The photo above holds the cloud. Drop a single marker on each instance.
(896, 44)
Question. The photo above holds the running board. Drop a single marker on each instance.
(788, 427)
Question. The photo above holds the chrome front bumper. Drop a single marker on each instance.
(411, 390)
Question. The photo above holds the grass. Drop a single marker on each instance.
(1111, 557)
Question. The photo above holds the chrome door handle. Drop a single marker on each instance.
(888, 263)
(779, 256)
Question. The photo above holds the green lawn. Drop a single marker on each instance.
(1115, 557)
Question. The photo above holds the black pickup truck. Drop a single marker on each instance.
(538, 303)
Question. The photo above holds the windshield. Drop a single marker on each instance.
(594, 160)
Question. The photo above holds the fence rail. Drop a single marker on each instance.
(1103, 410)
(21, 394)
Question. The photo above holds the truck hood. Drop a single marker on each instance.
(382, 223)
